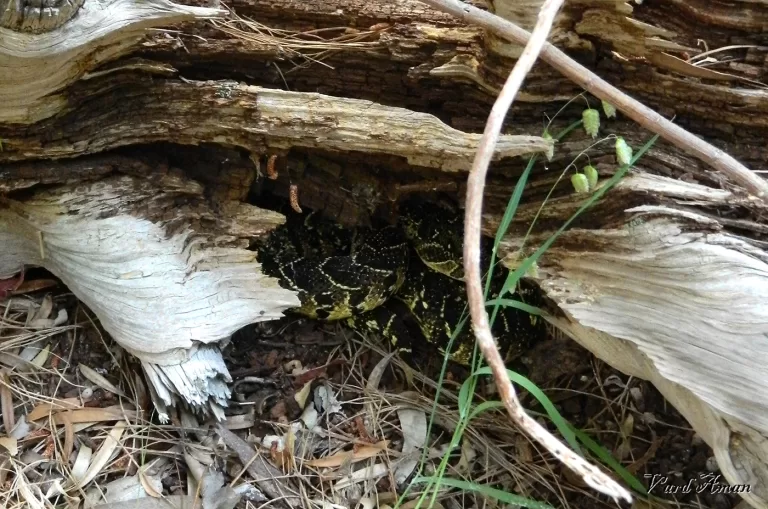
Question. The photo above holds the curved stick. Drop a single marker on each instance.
(593, 476)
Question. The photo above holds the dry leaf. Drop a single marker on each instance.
(69, 434)
(523, 451)
(194, 467)
(61, 318)
(284, 457)
(468, 455)
(10, 444)
(340, 458)
(309, 417)
(169, 502)
(55, 489)
(377, 372)
(367, 503)
(34, 285)
(102, 456)
(27, 491)
(43, 312)
(364, 474)
(204, 456)
(413, 424)
(8, 286)
(6, 400)
(99, 380)
(293, 367)
(326, 401)
(215, 494)
(21, 429)
(628, 426)
(142, 395)
(241, 421)
(151, 484)
(42, 357)
(82, 462)
(268, 478)
(46, 409)
(303, 394)
(29, 352)
(91, 415)
(124, 489)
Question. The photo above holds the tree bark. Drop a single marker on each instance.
(665, 278)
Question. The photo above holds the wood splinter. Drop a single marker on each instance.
(271, 171)
(294, 198)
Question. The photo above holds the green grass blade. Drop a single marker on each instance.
(565, 429)
(465, 397)
(511, 210)
(510, 303)
(484, 407)
(506, 220)
(514, 202)
(488, 491)
(608, 459)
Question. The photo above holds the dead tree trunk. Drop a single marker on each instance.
(128, 153)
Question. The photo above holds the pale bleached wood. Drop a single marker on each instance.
(674, 297)
(162, 287)
(35, 66)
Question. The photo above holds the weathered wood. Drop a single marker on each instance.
(37, 65)
(165, 271)
(400, 69)
(254, 118)
(665, 278)
(672, 293)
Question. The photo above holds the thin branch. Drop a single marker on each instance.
(593, 476)
(632, 108)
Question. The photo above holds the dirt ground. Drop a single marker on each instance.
(358, 398)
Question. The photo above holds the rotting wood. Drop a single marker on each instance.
(429, 62)
(398, 72)
(253, 118)
(634, 109)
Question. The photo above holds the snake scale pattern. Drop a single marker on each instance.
(371, 277)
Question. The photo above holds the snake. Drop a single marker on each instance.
(382, 280)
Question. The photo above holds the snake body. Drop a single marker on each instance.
(360, 276)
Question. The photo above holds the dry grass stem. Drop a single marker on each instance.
(632, 108)
(592, 475)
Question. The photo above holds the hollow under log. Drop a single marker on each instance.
(127, 144)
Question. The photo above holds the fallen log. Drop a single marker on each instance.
(665, 278)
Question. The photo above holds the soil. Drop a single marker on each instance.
(271, 361)
(659, 447)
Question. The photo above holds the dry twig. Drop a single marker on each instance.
(593, 476)
(632, 108)
(267, 477)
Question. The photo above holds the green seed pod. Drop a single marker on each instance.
(623, 152)
(580, 182)
(609, 110)
(591, 174)
(591, 119)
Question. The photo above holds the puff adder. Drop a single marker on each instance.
(367, 276)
